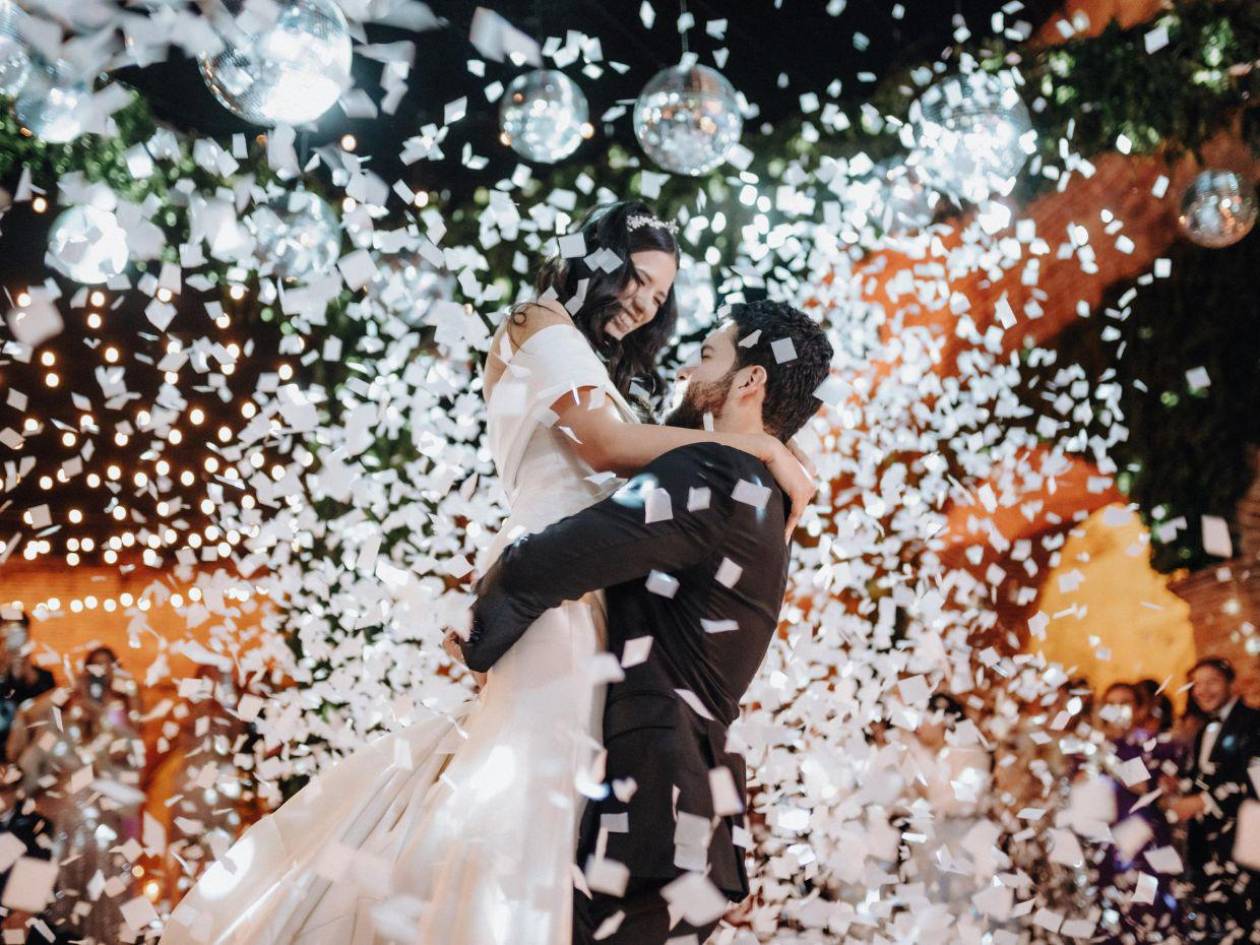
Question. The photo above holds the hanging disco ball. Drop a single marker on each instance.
(892, 199)
(87, 244)
(15, 62)
(408, 284)
(1218, 208)
(290, 72)
(544, 116)
(296, 234)
(687, 119)
(53, 103)
(973, 134)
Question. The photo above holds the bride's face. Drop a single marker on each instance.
(641, 299)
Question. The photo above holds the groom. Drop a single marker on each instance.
(692, 557)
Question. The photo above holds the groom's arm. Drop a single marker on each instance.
(626, 536)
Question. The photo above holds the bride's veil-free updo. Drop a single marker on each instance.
(607, 227)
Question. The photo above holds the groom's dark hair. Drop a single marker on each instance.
(793, 373)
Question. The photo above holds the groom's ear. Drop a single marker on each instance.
(751, 378)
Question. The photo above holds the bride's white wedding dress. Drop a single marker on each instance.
(448, 832)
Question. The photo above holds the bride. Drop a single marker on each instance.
(462, 832)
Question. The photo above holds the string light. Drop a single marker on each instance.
(94, 320)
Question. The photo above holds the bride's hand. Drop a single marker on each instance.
(450, 643)
(796, 474)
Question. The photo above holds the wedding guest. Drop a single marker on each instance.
(1219, 773)
(20, 679)
(80, 759)
(1130, 729)
(951, 773)
(1156, 710)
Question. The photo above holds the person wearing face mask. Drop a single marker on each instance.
(80, 759)
(1129, 735)
(20, 679)
(1221, 771)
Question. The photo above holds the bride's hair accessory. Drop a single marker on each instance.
(647, 219)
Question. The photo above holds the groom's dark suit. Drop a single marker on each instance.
(702, 575)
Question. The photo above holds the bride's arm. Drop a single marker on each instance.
(607, 443)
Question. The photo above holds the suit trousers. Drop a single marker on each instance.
(645, 922)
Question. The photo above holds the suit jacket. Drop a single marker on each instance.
(692, 556)
(1226, 780)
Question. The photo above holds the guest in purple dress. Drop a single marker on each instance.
(1138, 903)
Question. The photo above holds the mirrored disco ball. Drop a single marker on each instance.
(15, 62)
(408, 284)
(297, 235)
(288, 72)
(891, 198)
(1218, 208)
(87, 244)
(687, 119)
(53, 103)
(544, 116)
(973, 134)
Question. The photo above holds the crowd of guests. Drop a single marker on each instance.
(1164, 808)
(1065, 815)
(79, 789)
(73, 760)
(1110, 806)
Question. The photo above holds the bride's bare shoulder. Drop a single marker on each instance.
(528, 318)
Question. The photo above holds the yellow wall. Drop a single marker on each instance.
(1141, 628)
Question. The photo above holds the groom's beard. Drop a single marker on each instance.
(699, 400)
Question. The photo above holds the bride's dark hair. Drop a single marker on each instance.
(606, 226)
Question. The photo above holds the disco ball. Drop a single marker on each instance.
(53, 103)
(408, 284)
(892, 199)
(544, 116)
(296, 234)
(687, 119)
(1218, 208)
(289, 73)
(15, 62)
(87, 244)
(974, 134)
